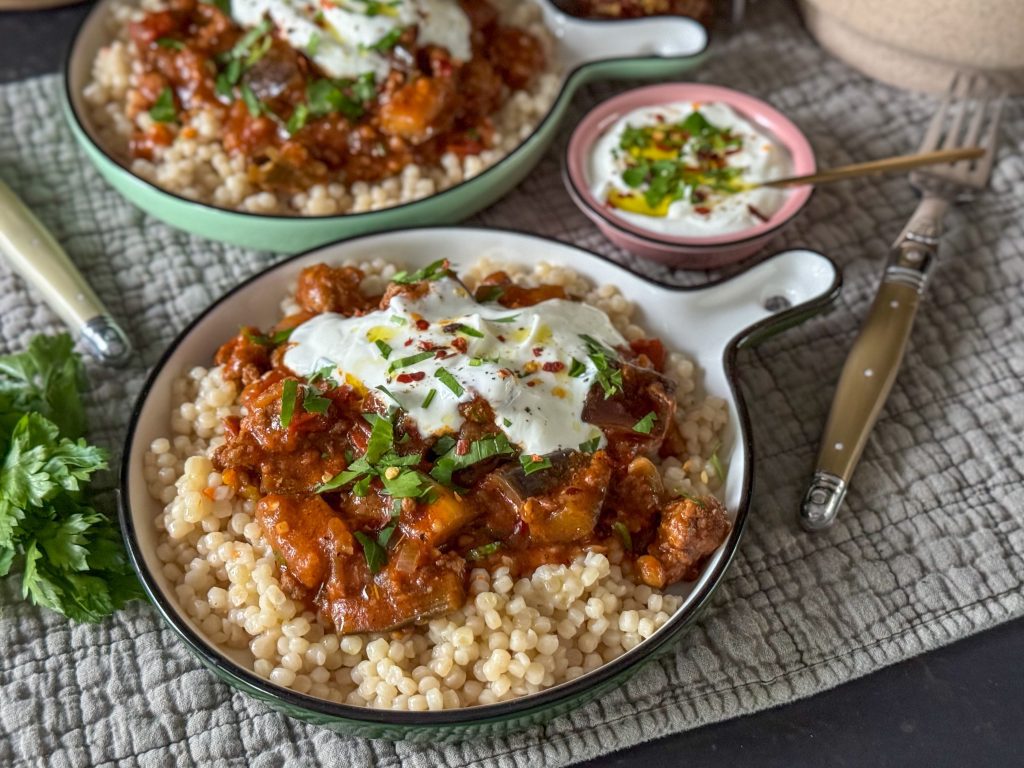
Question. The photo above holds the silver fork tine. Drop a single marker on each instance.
(984, 168)
(934, 132)
(961, 103)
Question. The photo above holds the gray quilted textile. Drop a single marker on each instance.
(928, 550)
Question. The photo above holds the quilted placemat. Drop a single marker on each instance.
(928, 549)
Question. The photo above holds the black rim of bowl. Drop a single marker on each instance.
(474, 715)
(599, 216)
(514, 156)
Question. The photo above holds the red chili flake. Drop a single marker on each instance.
(756, 213)
(440, 354)
(537, 351)
(660, 118)
(427, 346)
(462, 446)
(460, 344)
(500, 337)
(702, 209)
(554, 366)
(407, 342)
(407, 378)
(531, 383)
(422, 324)
(699, 195)
(505, 373)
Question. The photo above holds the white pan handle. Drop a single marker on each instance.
(38, 258)
(779, 292)
(584, 41)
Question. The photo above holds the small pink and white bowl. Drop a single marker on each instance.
(686, 252)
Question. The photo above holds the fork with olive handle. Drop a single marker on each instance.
(38, 258)
(968, 116)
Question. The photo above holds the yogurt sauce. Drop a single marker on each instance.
(751, 155)
(348, 38)
(518, 360)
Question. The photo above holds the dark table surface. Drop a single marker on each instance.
(962, 705)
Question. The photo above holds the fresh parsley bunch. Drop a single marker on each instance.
(70, 554)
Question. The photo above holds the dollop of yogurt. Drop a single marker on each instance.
(532, 365)
(749, 156)
(349, 38)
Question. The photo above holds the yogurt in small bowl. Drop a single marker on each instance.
(669, 172)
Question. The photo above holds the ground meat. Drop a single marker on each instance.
(332, 289)
(690, 530)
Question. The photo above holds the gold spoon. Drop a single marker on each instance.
(885, 165)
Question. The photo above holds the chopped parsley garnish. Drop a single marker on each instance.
(435, 271)
(623, 533)
(170, 42)
(380, 460)
(313, 44)
(507, 422)
(449, 381)
(669, 162)
(382, 437)
(252, 102)
(278, 337)
(429, 398)
(322, 374)
(476, 362)
(716, 464)
(608, 376)
(507, 319)
(646, 424)
(298, 119)
(489, 293)
(224, 6)
(376, 556)
(324, 97)
(245, 43)
(380, 7)
(533, 463)
(389, 393)
(479, 553)
(365, 87)
(576, 368)
(388, 41)
(469, 330)
(398, 320)
(313, 401)
(288, 393)
(163, 109)
(405, 362)
(589, 446)
(479, 450)
(384, 347)
(691, 498)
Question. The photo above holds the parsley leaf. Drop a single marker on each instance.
(289, 390)
(589, 446)
(405, 362)
(449, 381)
(434, 271)
(479, 553)
(376, 556)
(479, 450)
(164, 109)
(70, 554)
(428, 399)
(533, 463)
(645, 424)
(623, 533)
(382, 437)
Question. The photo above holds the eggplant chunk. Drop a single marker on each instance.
(644, 391)
(306, 534)
(690, 530)
(438, 521)
(394, 598)
(559, 504)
